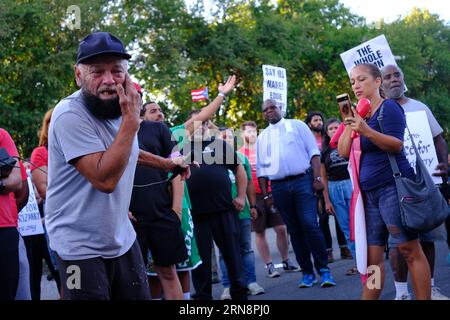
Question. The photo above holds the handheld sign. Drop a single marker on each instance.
(376, 51)
(421, 133)
(275, 85)
(29, 218)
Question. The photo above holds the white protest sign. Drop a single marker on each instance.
(275, 85)
(376, 51)
(29, 218)
(421, 133)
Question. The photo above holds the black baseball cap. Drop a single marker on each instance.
(101, 43)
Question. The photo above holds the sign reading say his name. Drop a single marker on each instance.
(421, 133)
(29, 218)
(376, 51)
(275, 85)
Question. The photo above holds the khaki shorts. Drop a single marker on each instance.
(266, 219)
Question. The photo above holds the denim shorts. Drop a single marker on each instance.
(383, 217)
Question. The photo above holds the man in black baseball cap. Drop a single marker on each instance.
(93, 153)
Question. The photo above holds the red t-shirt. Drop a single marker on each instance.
(251, 155)
(8, 212)
(23, 173)
(319, 142)
(39, 157)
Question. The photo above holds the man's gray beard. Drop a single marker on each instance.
(102, 109)
(395, 93)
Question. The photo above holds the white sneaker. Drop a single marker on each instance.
(225, 294)
(255, 289)
(406, 296)
(437, 295)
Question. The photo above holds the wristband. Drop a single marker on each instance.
(253, 207)
(223, 95)
(267, 196)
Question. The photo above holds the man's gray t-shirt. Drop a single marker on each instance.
(413, 105)
(83, 222)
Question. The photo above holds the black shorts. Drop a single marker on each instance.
(120, 278)
(265, 219)
(164, 239)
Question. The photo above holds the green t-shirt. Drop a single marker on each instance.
(179, 134)
(245, 213)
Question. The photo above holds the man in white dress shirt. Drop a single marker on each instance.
(288, 156)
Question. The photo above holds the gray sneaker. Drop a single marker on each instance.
(271, 272)
(255, 289)
(225, 294)
(437, 295)
(404, 297)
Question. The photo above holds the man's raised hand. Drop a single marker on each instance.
(228, 86)
(129, 100)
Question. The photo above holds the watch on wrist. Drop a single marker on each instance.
(267, 196)
(253, 207)
(319, 178)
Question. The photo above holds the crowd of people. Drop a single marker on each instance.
(133, 209)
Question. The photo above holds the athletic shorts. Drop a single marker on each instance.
(164, 239)
(266, 219)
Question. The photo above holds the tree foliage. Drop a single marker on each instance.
(177, 48)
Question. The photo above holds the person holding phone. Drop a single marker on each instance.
(376, 181)
(93, 152)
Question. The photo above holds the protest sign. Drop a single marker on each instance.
(29, 218)
(376, 51)
(275, 85)
(421, 133)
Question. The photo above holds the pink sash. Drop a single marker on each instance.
(357, 214)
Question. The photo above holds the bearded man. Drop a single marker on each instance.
(93, 152)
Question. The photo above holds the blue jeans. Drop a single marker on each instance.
(247, 255)
(23, 288)
(340, 195)
(298, 206)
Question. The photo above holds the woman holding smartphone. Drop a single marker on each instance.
(382, 212)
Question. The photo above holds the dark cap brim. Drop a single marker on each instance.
(126, 56)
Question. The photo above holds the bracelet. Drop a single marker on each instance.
(223, 95)
(267, 196)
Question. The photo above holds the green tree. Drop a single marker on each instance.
(37, 53)
(425, 59)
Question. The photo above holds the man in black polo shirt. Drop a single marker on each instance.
(214, 212)
(157, 226)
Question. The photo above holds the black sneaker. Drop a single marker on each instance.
(289, 267)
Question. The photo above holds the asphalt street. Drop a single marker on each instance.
(285, 286)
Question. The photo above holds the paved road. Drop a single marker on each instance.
(285, 286)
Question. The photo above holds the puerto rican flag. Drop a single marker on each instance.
(199, 94)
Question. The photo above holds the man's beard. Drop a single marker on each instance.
(102, 109)
(395, 93)
(317, 129)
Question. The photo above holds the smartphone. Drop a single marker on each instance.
(178, 170)
(344, 103)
